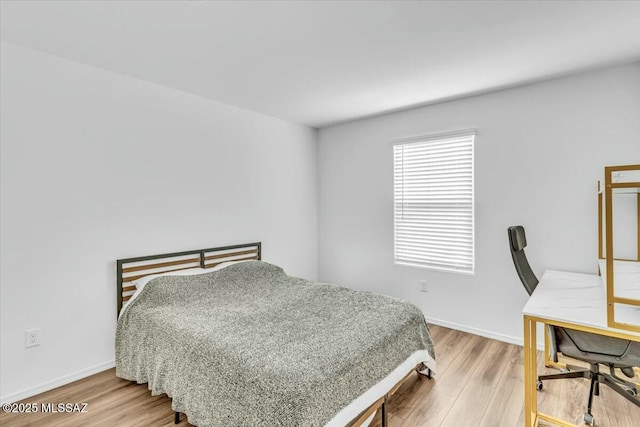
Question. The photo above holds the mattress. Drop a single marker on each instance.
(250, 345)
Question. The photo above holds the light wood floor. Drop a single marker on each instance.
(479, 383)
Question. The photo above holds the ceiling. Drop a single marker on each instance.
(320, 63)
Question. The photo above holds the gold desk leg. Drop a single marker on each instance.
(547, 349)
(530, 373)
(548, 361)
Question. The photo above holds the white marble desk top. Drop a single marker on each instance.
(576, 298)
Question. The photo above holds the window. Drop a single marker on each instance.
(433, 201)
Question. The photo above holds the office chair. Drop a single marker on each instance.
(588, 347)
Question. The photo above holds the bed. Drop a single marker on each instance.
(235, 341)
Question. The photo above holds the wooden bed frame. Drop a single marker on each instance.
(130, 269)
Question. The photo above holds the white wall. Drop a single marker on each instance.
(540, 150)
(97, 166)
(625, 226)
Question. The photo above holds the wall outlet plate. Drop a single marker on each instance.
(424, 286)
(32, 337)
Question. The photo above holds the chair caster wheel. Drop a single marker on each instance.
(632, 391)
(588, 419)
(539, 385)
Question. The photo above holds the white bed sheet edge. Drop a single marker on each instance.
(366, 399)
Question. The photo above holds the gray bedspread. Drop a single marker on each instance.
(249, 345)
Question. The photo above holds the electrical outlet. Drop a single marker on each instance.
(424, 286)
(32, 338)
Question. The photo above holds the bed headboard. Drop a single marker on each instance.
(130, 269)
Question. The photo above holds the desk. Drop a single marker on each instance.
(572, 300)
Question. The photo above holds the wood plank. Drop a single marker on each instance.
(146, 267)
(436, 331)
(440, 398)
(482, 382)
(449, 344)
(230, 254)
(507, 401)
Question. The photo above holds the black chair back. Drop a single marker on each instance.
(517, 243)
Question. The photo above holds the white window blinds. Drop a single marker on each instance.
(433, 201)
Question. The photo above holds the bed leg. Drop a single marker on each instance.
(428, 374)
(383, 412)
(176, 420)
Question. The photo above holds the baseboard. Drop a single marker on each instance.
(482, 332)
(49, 385)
